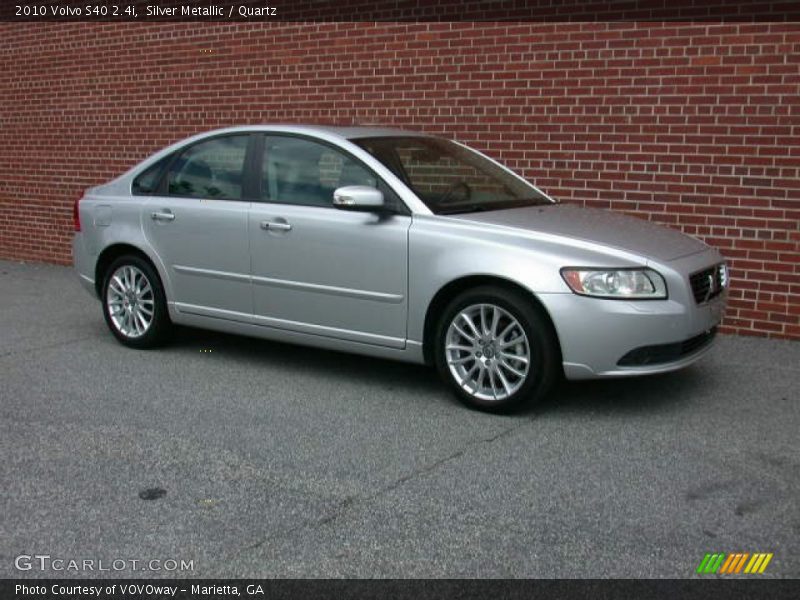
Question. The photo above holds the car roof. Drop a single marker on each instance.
(363, 131)
(347, 132)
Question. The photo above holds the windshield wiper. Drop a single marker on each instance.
(465, 207)
(534, 201)
(455, 209)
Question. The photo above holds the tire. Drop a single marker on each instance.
(132, 289)
(511, 329)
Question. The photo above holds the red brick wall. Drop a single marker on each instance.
(694, 125)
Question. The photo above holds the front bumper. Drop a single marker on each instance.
(667, 353)
(617, 338)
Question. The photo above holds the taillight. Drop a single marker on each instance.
(76, 214)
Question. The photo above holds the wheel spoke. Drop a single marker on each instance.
(463, 333)
(511, 369)
(484, 320)
(481, 377)
(468, 320)
(506, 330)
(459, 347)
(492, 383)
(468, 376)
(516, 357)
(513, 342)
(503, 380)
(117, 285)
(461, 361)
(495, 322)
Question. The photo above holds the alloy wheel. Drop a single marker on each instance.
(130, 301)
(487, 352)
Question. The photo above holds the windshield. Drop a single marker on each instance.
(450, 178)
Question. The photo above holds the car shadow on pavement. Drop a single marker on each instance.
(638, 395)
(389, 374)
(621, 396)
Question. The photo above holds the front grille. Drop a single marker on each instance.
(665, 353)
(709, 283)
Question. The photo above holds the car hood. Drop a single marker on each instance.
(594, 226)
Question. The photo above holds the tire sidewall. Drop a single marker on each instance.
(541, 344)
(156, 334)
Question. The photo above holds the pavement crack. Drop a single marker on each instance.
(438, 463)
(415, 474)
(354, 501)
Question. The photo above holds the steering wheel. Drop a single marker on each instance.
(453, 189)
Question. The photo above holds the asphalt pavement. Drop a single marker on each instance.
(269, 460)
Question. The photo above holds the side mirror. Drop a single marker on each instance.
(358, 197)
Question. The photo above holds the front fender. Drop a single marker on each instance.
(443, 250)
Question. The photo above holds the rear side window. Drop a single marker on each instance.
(147, 181)
(210, 169)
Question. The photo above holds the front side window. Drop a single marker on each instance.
(300, 171)
(449, 178)
(210, 169)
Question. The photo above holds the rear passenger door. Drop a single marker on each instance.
(197, 223)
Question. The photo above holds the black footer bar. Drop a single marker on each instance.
(388, 589)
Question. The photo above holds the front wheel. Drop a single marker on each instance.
(496, 350)
(134, 304)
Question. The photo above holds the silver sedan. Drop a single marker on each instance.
(393, 244)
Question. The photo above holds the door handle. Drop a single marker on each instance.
(167, 215)
(275, 226)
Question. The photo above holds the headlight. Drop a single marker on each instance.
(724, 275)
(621, 284)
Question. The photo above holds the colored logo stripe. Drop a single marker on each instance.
(710, 563)
(734, 563)
(728, 564)
(758, 563)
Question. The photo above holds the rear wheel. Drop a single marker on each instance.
(134, 304)
(496, 350)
